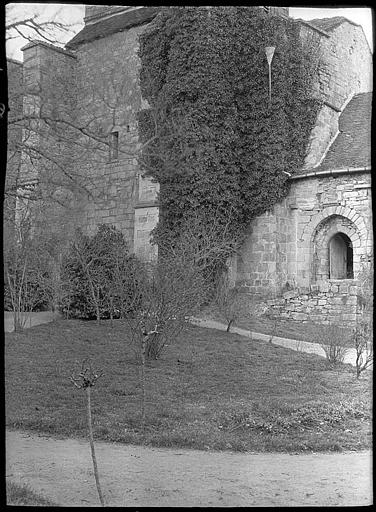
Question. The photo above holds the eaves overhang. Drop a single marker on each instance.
(331, 172)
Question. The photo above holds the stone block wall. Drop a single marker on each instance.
(345, 69)
(339, 201)
(15, 93)
(109, 98)
(279, 250)
(325, 302)
(94, 89)
(49, 96)
(146, 219)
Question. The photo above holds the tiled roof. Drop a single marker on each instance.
(116, 23)
(352, 147)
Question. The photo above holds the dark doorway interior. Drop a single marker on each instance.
(340, 257)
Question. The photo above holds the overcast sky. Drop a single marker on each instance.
(74, 14)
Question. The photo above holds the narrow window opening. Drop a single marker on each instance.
(340, 257)
(114, 146)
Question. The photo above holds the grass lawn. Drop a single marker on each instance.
(22, 495)
(284, 328)
(209, 390)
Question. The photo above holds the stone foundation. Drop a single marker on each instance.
(327, 302)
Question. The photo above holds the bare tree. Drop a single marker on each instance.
(30, 26)
(174, 288)
(86, 379)
(363, 332)
(30, 282)
(231, 303)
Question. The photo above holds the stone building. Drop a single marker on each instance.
(309, 249)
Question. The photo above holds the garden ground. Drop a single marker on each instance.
(210, 390)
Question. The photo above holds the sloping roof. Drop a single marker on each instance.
(329, 24)
(116, 23)
(352, 147)
(14, 61)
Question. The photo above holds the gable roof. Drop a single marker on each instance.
(352, 147)
(116, 23)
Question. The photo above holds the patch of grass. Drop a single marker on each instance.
(209, 390)
(300, 331)
(23, 495)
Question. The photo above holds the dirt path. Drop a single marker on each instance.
(139, 476)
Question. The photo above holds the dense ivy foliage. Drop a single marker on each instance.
(213, 141)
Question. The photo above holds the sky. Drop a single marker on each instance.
(73, 14)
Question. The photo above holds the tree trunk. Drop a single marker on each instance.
(91, 438)
(143, 358)
(111, 312)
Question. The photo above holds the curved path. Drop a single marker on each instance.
(140, 476)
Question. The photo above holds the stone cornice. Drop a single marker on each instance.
(49, 46)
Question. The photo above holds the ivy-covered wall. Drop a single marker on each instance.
(216, 144)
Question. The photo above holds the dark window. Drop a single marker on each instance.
(114, 146)
(340, 257)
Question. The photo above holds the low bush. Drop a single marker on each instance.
(363, 343)
(334, 340)
(99, 276)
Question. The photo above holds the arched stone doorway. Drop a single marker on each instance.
(336, 248)
(340, 257)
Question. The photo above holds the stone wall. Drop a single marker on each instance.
(146, 218)
(48, 150)
(95, 90)
(108, 95)
(280, 246)
(262, 265)
(333, 301)
(15, 93)
(345, 69)
(14, 73)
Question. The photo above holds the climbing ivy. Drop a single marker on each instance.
(213, 141)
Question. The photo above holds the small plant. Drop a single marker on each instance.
(231, 303)
(86, 379)
(272, 316)
(334, 340)
(363, 342)
(22, 495)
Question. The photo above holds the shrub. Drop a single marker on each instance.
(230, 302)
(334, 340)
(363, 342)
(99, 276)
(363, 333)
